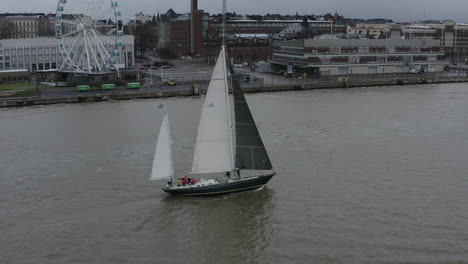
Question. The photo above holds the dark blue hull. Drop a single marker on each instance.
(223, 188)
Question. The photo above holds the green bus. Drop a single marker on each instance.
(133, 85)
(82, 88)
(109, 86)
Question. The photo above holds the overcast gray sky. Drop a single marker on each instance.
(398, 10)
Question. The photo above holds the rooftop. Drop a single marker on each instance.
(396, 42)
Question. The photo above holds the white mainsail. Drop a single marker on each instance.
(213, 148)
(162, 163)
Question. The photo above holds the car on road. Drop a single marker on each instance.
(171, 82)
(416, 71)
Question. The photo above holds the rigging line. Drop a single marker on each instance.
(170, 144)
(80, 58)
(217, 139)
(69, 22)
(87, 4)
(92, 50)
(97, 7)
(226, 91)
(106, 11)
(70, 51)
(108, 43)
(101, 53)
(102, 45)
(93, 6)
(93, 9)
(106, 38)
(87, 52)
(71, 33)
(109, 57)
(77, 18)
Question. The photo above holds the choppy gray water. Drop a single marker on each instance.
(367, 175)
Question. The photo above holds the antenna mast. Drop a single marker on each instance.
(224, 22)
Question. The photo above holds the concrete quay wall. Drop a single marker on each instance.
(29, 101)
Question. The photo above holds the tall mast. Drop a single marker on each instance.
(224, 54)
(170, 144)
(224, 22)
(228, 105)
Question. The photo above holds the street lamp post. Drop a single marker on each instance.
(162, 74)
(151, 74)
(37, 89)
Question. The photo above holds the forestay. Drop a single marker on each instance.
(162, 163)
(213, 148)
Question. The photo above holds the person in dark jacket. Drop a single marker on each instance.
(237, 173)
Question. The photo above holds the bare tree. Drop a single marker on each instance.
(168, 54)
(46, 26)
(146, 38)
(7, 29)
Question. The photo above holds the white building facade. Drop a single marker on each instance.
(41, 53)
(29, 25)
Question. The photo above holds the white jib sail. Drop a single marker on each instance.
(213, 150)
(162, 163)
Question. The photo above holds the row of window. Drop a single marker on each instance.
(28, 51)
(355, 50)
(296, 50)
(14, 78)
(291, 59)
(39, 64)
(39, 51)
(370, 59)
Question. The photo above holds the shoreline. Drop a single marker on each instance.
(80, 98)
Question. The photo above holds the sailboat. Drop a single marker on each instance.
(220, 163)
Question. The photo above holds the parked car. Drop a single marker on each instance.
(416, 71)
(171, 82)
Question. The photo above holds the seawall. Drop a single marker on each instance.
(29, 101)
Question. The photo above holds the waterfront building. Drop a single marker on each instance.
(198, 29)
(26, 25)
(14, 76)
(41, 53)
(360, 56)
(242, 48)
(164, 34)
(453, 36)
(180, 35)
(271, 27)
(140, 18)
(375, 31)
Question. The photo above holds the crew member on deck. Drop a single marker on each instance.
(237, 172)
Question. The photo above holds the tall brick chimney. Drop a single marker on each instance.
(194, 6)
(196, 30)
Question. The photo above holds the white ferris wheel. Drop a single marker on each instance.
(89, 35)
